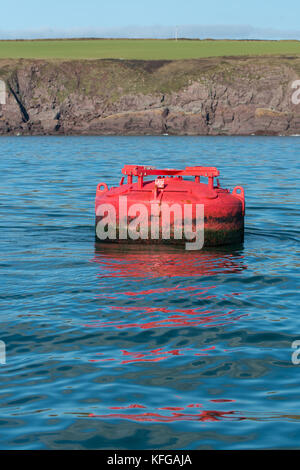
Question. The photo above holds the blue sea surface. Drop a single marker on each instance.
(115, 347)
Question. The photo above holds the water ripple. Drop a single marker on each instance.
(114, 346)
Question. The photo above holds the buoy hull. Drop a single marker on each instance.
(164, 203)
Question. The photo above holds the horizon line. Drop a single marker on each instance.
(94, 38)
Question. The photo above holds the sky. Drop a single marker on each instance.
(270, 19)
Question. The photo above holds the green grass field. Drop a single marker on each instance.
(144, 49)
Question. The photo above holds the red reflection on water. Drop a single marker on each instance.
(156, 359)
(132, 262)
(154, 355)
(205, 415)
(176, 318)
(197, 291)
(140, 261)
(135, 405)
(178, 413)
(172, 408)
(163, 290)
(220, 400)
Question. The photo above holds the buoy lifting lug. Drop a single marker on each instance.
(240, 196)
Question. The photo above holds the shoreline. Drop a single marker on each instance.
(209, 96)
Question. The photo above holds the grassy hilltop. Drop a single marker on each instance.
(142, 49)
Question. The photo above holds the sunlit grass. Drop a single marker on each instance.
(143, 49)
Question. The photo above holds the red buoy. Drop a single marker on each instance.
(169, 208)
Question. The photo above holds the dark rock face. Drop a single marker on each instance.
(215, 96)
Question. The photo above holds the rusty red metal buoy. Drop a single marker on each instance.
(169, 208)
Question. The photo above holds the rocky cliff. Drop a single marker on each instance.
(236, 96)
